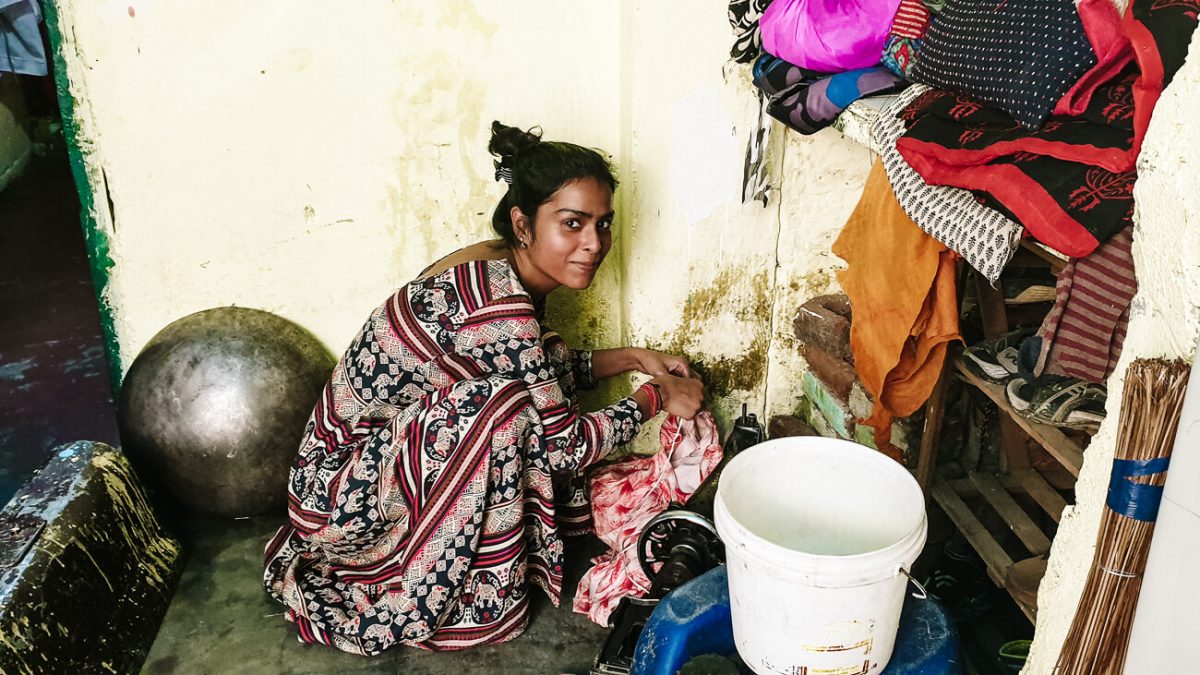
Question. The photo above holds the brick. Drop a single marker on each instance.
(861, 402)
(821, 425)
(827, 407)
(784, 426)
(836, 373)
(824, 323)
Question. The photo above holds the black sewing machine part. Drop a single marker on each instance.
(675, 546)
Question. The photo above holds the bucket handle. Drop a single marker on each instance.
(924, 593)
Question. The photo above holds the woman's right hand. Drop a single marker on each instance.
(681, 396)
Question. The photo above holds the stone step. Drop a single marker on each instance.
(86, 571)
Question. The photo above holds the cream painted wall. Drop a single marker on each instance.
(306, 159)
(254, 155)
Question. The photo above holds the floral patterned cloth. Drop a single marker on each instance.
(421, 503)
(626, 495)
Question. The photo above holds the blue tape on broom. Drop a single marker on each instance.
(1132, 499)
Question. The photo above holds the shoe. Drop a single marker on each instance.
(961, 582)
(1019, 393)
(1059, 402)
(995, 360)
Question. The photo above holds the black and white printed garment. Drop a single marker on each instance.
(984, 237)
(1017, 55)
(743, 17)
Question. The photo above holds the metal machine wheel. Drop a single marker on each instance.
(673, 529)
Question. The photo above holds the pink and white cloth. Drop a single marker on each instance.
(626, 495)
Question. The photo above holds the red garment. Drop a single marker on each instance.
(1102, 23)
(1071, 182)
(626, 495)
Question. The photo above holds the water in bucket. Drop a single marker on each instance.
(817, 532)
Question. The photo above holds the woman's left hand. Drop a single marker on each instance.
(656, 364)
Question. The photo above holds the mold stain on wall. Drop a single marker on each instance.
(749, 303)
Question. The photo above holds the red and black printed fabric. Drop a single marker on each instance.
(1069, 183)
(422, 504)
(1018, 55)
(1102, 23)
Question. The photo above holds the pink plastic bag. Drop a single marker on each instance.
(828, 36)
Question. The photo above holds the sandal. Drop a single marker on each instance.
(1013, 654)
(1061, 402)
(995, 360)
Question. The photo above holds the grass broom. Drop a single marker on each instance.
(1099, 636)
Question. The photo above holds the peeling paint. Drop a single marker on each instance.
(724, 375)
(84, 167)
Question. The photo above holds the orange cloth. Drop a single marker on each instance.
(901, 286)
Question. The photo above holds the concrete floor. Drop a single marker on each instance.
(221, 621)
(54, 388)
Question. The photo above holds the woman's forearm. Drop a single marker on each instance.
(613, 362)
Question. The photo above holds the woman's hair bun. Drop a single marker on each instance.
(510, 141)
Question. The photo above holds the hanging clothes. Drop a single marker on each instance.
(626, 495)
(1054, 181)
(1083, 334)
(21, 47)
(1070, 183)
(983, 236)
(901, 285)
(743, 18)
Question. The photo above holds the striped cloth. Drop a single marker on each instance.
(904, 39)
(421, 504)
(912, 18)
(1083, 334)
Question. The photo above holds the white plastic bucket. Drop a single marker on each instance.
(819, 534)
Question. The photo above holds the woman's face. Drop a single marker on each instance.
(572, 233)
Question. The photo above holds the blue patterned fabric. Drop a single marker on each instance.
(1018, 55)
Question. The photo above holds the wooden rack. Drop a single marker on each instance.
(1018, 479)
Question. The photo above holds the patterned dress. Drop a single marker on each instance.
(421, 503)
